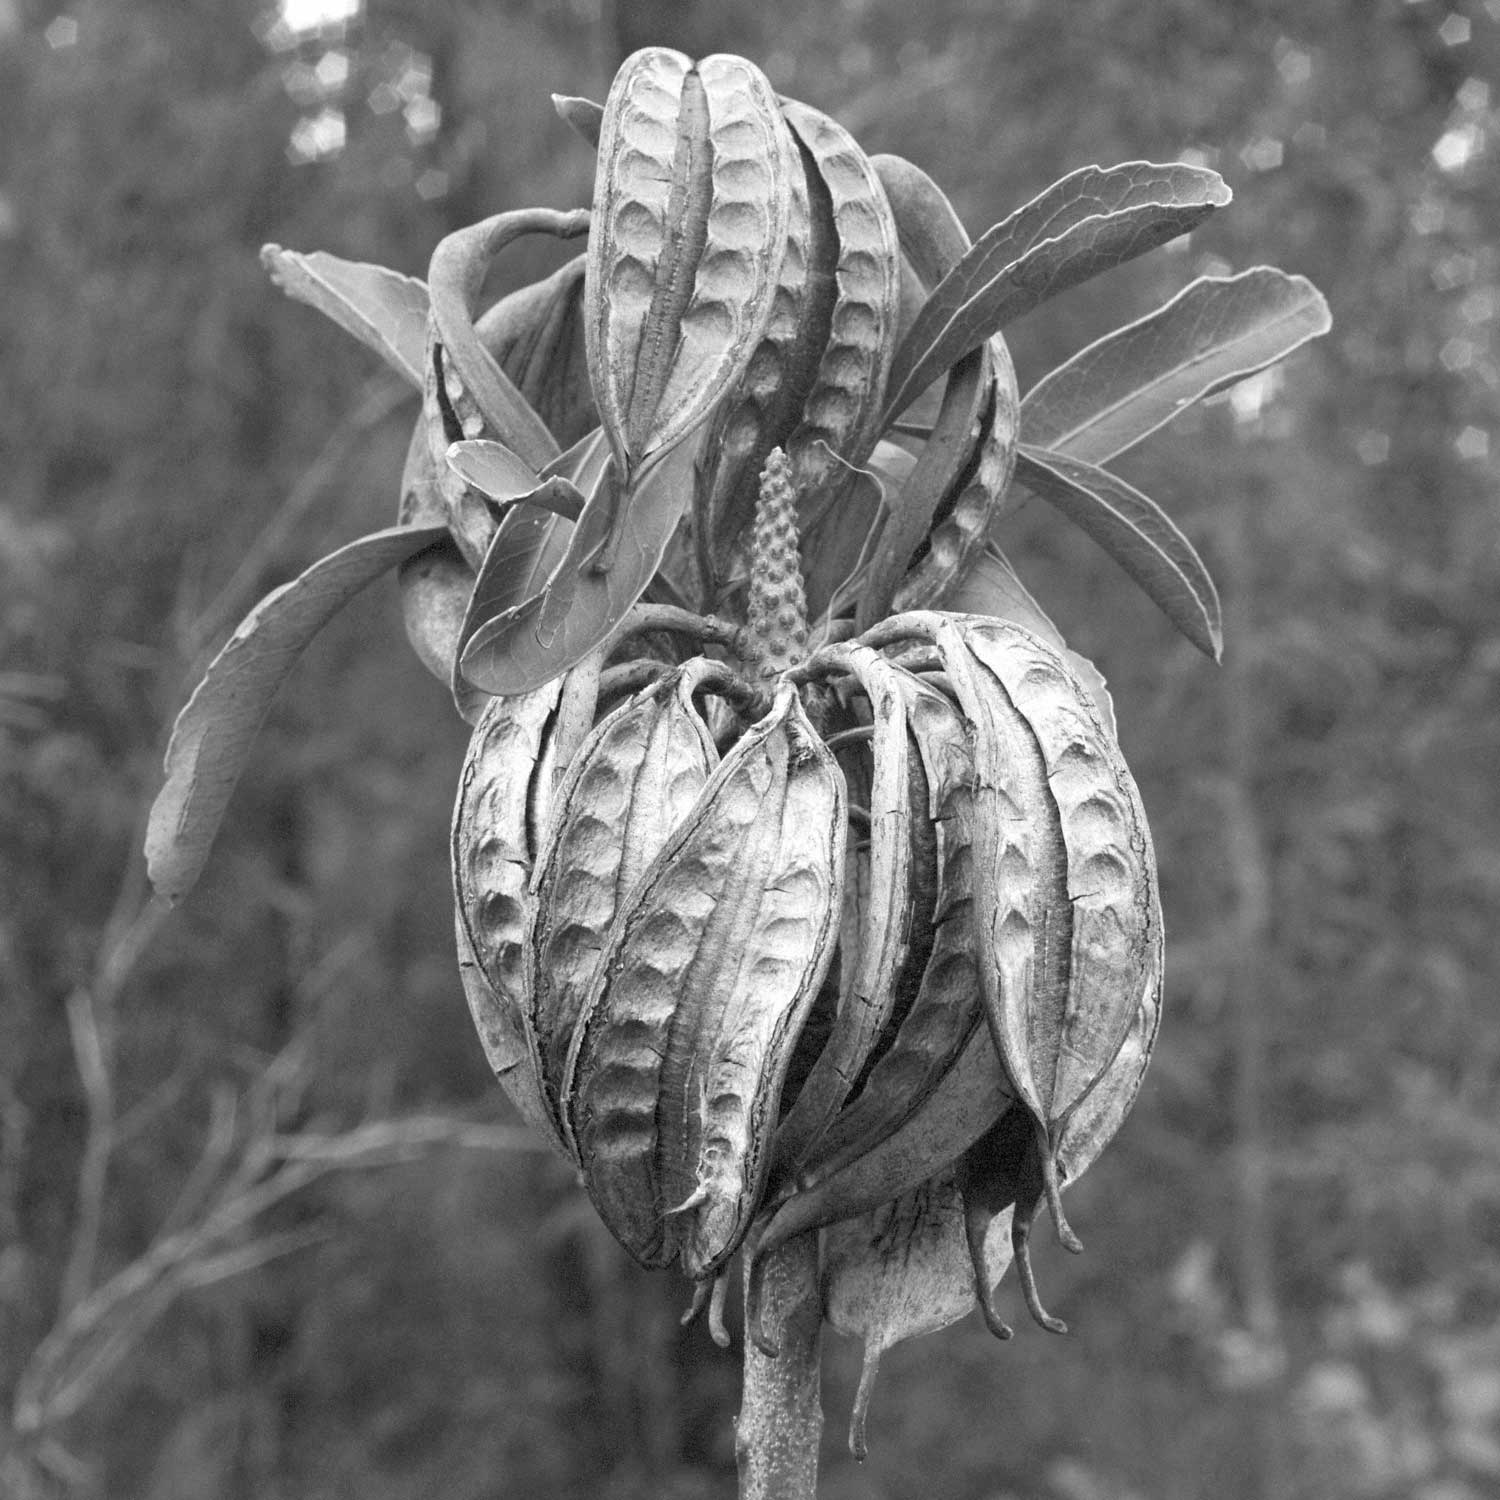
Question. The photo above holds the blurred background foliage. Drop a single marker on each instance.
(266, 1229)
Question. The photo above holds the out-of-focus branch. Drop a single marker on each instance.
(91, 1009)
(378, 399)
(246, 1168)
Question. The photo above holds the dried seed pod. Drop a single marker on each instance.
(1073, 927)
(969, 1098)
(758, 414)
(1094, 1122)
(902, 1270)
(691, 203)
(946, 1009)
(1111, 873)
(1000, 1178)
(968, 512)
(839, 418)
(934, 240)
(631, 783)
(872, 964)
(712, 964)
(493, 845)
(939, 468)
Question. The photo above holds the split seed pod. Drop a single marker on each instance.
(691, 203)
(1070, 940)
(494, 844)
(711, 966)
(632, 782)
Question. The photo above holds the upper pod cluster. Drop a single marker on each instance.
(743, 275)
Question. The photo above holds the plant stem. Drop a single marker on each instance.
(781, 1416)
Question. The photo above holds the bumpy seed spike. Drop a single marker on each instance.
(778, 604)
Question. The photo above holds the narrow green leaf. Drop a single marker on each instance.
(1095, 218)
(213, 735)
(991, 587)
(382, 309)
(611, 556)
(1212, 333)
(1137, 533)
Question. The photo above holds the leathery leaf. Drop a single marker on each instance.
(713, 962)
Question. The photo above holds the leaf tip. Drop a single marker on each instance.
(273, 258)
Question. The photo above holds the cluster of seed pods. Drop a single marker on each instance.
(787, 901)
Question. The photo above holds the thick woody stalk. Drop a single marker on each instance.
(780, 1425)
